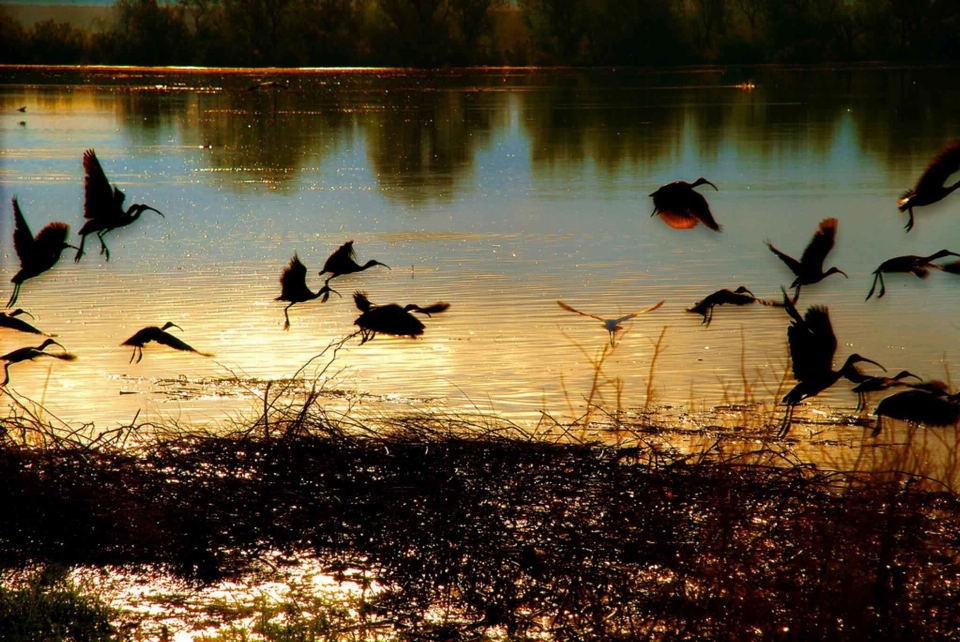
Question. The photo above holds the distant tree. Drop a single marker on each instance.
(13, 40)
(422, 29)
(634, 32)
(558, 27)
(708, 24)
(57, 43)
(146, 34)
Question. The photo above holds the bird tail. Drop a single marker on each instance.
(63, 356)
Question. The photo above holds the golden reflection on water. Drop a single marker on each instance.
(500, 193)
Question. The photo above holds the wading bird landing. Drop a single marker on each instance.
(931, 186)
(611, 325)
(682, 207)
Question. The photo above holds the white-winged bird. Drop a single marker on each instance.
(740, 296)
(931, 186)
(812, 348)
(910, 263)
(682, 207)
(344, 261)
(103, 205)
(931, 407)
(611, 325)
(161, 336)
(293, 288)
(37, 254)
(10, 321)
(391, 318)
(809, 269)
(877, 384)
(29, 354)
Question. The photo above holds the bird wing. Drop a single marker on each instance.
(678, 220)
(632, 315)
(812, 344)
(697, 206)
(586, 314)
(821, 244)
(293, 276)
(51, 240)
(167, 339)
(791, 262)
(436, 308)
(362, 302)
(98, 196)
(945, 163)
(22, 236)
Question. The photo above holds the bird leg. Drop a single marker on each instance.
(878, 427)
(6, 374)
(909, 225)
(103, 246)
(286, 324)
(877, 276)
(83, 239)
(787, 420)
(13, 297)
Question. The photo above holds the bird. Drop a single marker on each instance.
(812, 348)
(22, 109)
(10, 320)
(37, 254)
(29, 354)
(391, 318)
(103, 205)
(917, 265)
(931, 407)
(344, 261)
(740, 296)
(681, 207)
(612, 325)
(809, 269)
(269, 84)
(931, 186)
(293, 288)
(161, 336)
(876, 384)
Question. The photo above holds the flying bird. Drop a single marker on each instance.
(391, 318)
(611, 325)
(930, 407)
(269, 84)
(910, 263)
(293, 288)
(812, 348)
(161, 336)
(932, 184)
(681, 207)
(103, 205)
(877, 384)
(344, 261)
(740, 296)
(22, 109)
(29, 354)
(37, 254)
(10, 321)
(809, 269)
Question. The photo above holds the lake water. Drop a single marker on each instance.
(497, 191)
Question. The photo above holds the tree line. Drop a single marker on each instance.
(436, 33)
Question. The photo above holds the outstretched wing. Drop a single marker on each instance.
(812, 344)
(22, 236)
(632, 315)
(294, 275)
(821, 244)
(362, 302)
(945, 163)
(99, 198)
(791, 262)
(586, 314)
(167, 339)
(436, 308)
(697, 206)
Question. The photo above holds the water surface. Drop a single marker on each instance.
(499, 192)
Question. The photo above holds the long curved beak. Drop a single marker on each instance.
(147, 207)
(711, 185)
(873, 362)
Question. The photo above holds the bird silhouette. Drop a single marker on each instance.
(37, 254)
(344, 261)
(812, 348)
(22, 109)
(293, 288)
(103, 205)
(161, 336)
(29, 354)
(809, 269)
(740, 296)
(911, 263)
(931, 186)
(10, 320)
(391, 318)
(268, 84)
(611, 325)
(877, 384)
(928, 406)
(681, 207)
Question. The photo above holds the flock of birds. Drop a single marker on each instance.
(812, 341)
